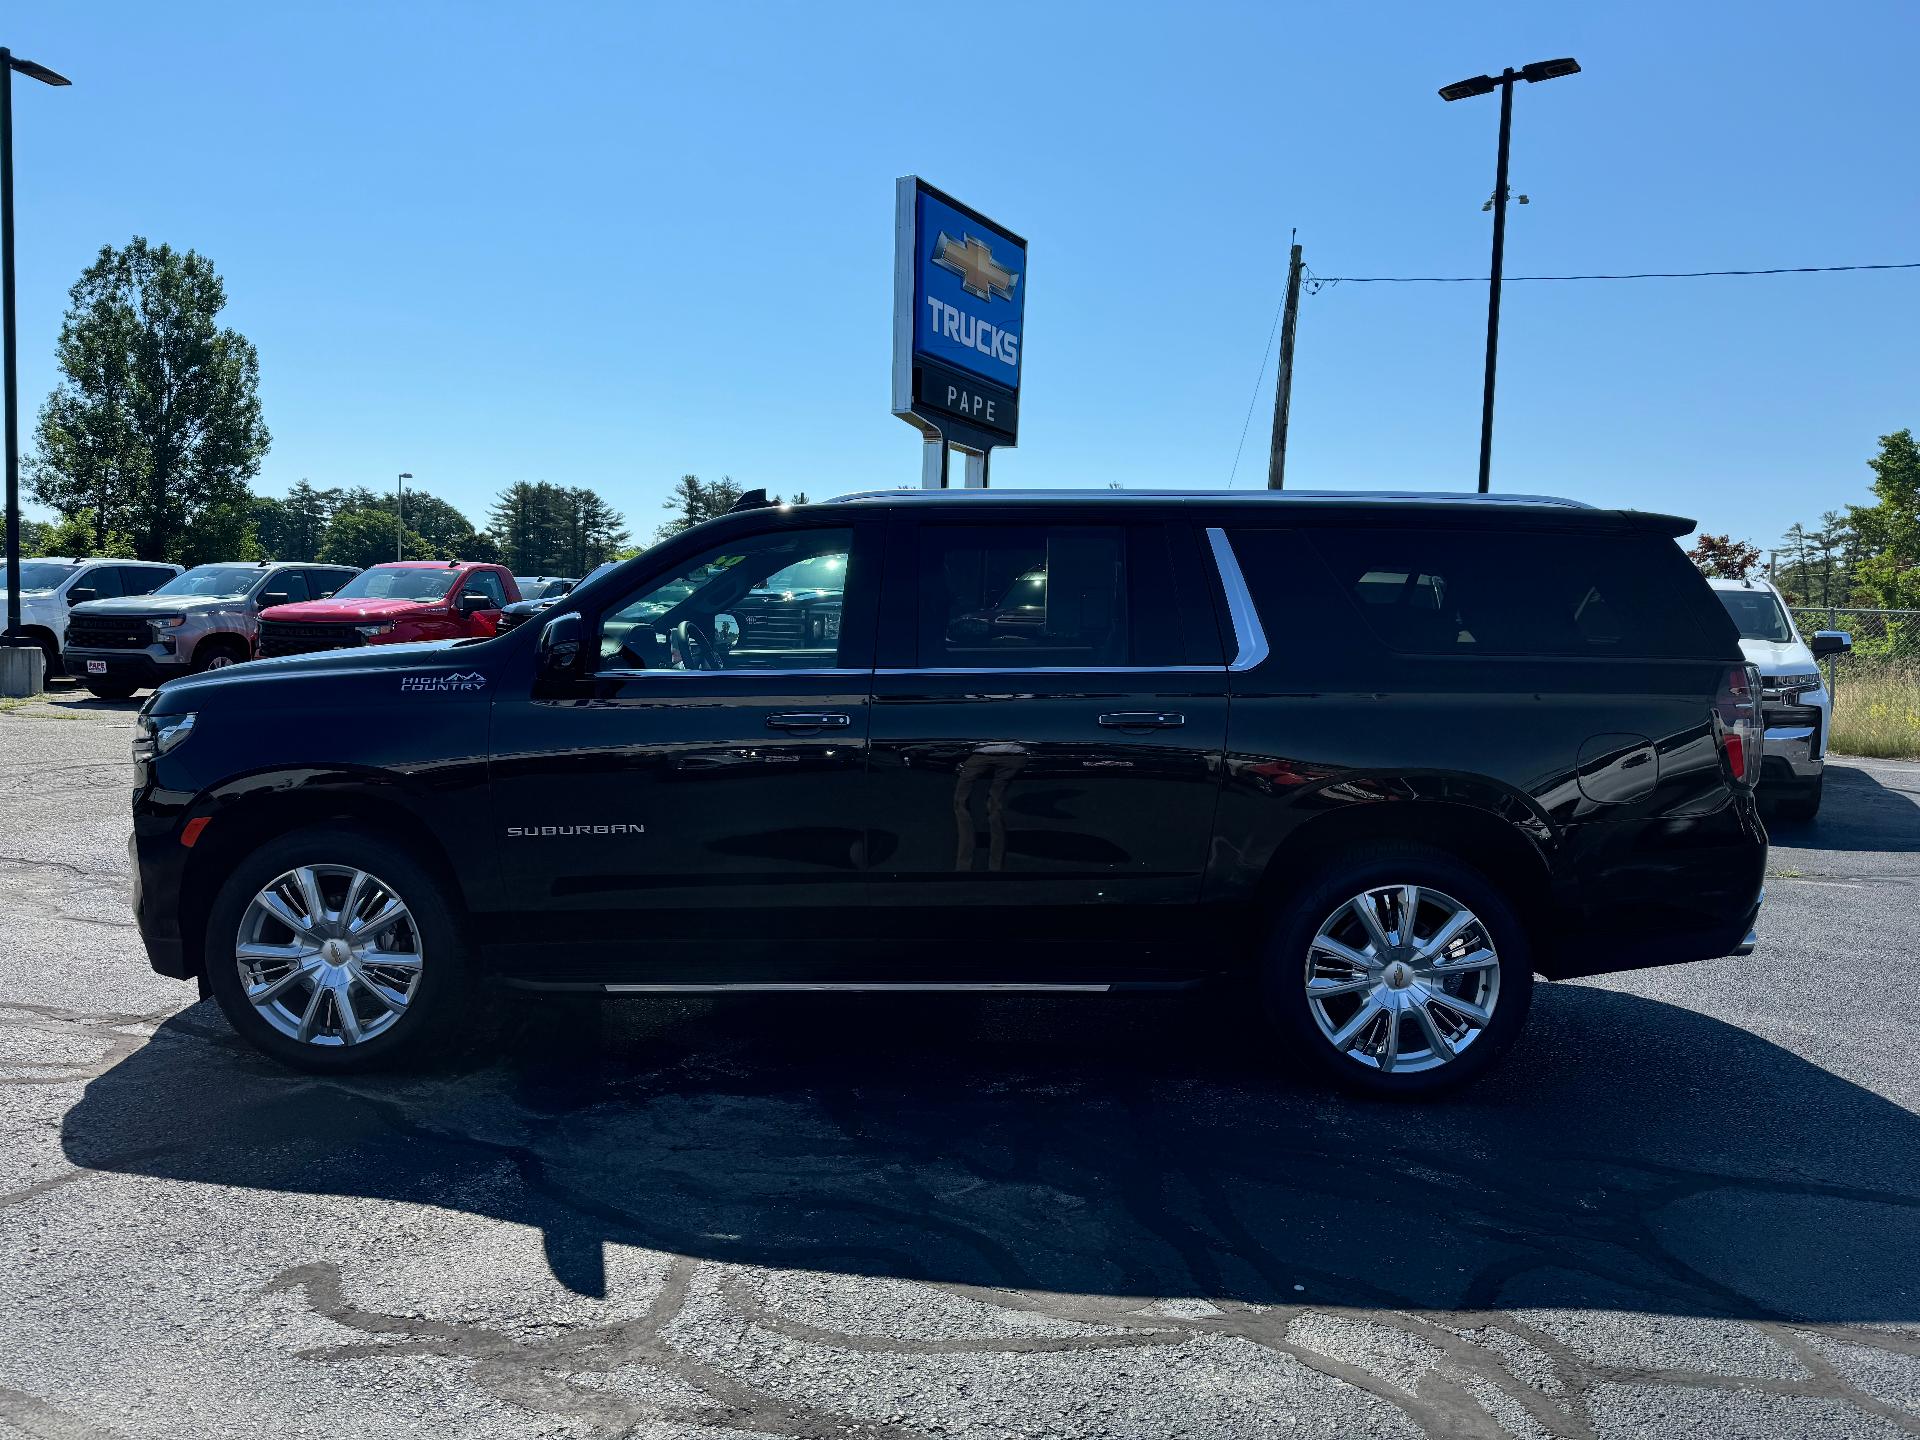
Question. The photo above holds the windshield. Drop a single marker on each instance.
(39, 574)
(224, 582)
(378, 584)
(1757, 614)
(821, 572)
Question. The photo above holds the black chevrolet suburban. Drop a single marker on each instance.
(1385, 757)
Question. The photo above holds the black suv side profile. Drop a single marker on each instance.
(1384, 756)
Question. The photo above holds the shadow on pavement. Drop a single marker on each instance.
(1858, 812)
(1631, 1154)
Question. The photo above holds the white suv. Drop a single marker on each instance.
(1794, 703)
(51, 585)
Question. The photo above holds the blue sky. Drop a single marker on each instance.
(609, 244)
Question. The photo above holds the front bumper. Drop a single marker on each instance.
(143, 668)
(1794, 744)
(158, 860)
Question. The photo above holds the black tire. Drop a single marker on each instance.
(51, 649)
(1326, 893)
(110, 689)
(217, 652)
(441, 996)
(1803, 806)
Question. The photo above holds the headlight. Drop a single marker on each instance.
(1776, 686)
(167, 622)
(385, 628)
(153, 737)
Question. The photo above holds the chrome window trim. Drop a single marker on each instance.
(1018, 670)
(722, 674)
(1249, 639)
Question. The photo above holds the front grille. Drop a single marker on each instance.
(777, 627)
(101, 632)
(295, 637)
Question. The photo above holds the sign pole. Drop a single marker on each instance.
(933, 461)
(976, 469)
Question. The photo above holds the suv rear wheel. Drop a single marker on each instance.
(335, 952)
(1399, 971)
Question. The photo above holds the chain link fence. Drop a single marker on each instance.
(1876, 689)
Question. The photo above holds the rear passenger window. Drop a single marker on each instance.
(1023, 597)
(1516, 592)
(322, 583)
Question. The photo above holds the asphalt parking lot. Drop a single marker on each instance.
(1689, 1203)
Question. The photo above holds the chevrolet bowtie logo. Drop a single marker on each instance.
(972, 260)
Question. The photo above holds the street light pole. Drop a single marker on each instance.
(400, 515)
(1493, 283)
(9, 361)
(1485, 85)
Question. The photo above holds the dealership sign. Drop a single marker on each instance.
(959, 298)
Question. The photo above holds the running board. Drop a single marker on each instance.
(845, 987)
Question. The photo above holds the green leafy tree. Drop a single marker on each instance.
(223, 532)
(694, 500)
(1721, 557)
(546, 529)
(155, 423)
(366, 537)
(76, 534)
(295, 527)
(1889, 529)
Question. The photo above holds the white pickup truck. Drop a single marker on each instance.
(1795, 705)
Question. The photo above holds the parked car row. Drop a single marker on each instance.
(119, 626)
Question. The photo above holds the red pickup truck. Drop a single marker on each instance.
(389, 604)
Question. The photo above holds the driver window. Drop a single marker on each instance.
(766, 602)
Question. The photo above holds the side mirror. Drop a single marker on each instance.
(80, 594)
(473, 601)
(1830, 642)
(560, 646)
(273, 597)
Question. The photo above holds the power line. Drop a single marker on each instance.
(1320, 281)
(1256, 391)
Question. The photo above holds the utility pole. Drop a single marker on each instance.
(1283, 381)
(400, 515)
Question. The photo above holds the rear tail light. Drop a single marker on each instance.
(1736, 723)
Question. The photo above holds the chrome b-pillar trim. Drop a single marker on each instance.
(1249, 639)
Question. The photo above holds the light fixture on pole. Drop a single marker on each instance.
(1485, 85)
(9, 64)
(400, 515)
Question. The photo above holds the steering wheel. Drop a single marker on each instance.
(695, 647)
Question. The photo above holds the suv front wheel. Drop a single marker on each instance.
(334, 952)
(1399, 971)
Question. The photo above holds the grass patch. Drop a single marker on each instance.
(1876, 711)
(33, 707)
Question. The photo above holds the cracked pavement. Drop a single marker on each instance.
(1688, 1203)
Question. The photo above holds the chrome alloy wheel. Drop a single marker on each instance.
(1402, 978)
(329, 955)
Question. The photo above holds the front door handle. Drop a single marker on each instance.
(809, 721)
(1141, 720)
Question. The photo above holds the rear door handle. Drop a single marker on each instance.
(1141, 720)
(809, 721)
